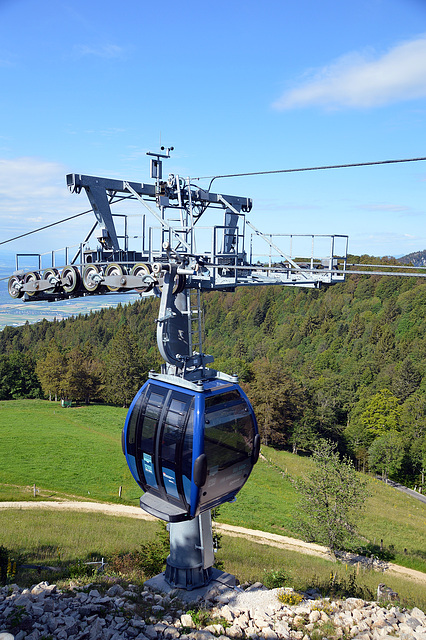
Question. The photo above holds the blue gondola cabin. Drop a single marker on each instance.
(189, 446)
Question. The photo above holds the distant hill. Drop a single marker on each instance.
(417, 258)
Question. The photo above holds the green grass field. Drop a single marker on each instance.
(77, 452)
(64, 539)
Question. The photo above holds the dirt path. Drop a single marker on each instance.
(261, 537)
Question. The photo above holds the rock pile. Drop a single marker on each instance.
(45, 613)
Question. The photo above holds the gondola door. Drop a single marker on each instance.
(162, 420)
(173, 447)
(148, 424)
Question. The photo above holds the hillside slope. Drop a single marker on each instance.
(345, 363)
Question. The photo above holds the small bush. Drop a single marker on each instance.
(202, 618)
(145, 562)
(320, 605)
(327, 630)
(7, 566)
(4, 556)
(275, 579)
(289, 597)
(81, 569)
(338, 587)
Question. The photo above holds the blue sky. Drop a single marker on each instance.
(89, 87)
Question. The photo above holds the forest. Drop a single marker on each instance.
(345, 363)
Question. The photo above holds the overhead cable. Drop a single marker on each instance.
(47, 226)
(319, 168)
(237, 175)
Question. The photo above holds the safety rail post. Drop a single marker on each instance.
(330, 266)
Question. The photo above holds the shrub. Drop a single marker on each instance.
(7, 566)
(202, 618)
(289, 597)
(145, 562)
(4, 556)
(339, 587)
(80, 569)
(275, 578)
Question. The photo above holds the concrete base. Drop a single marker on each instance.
(219, 579)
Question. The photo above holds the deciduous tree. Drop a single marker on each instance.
(51, 371)
(386, 453)
(277, 399)
(81, 380)
(331, 497)
(126, 368)
(382, 414)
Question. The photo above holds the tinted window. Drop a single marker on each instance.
(228, 433)
(133, 422)
(187, 455)
(222, 398)
(154, 406)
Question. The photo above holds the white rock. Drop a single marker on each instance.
(353, 603)
(420, 615)
(202, 634)
(187, 621)
(234, 631)
(412, 622)
(269, 634)
(227, 613)
(314, 616)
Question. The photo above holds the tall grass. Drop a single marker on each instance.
(67, 538)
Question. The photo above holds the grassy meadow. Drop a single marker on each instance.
(64, 539)
(76, 452)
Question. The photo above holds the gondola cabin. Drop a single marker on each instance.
(189, 446)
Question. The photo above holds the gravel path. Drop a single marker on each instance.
(261, 537)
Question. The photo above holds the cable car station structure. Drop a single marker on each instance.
(190, 436)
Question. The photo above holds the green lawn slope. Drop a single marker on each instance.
(77, 451)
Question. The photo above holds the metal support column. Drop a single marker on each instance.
(189, 565)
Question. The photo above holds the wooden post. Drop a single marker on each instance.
(119, 491)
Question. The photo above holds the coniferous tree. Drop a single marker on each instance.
(17, 376)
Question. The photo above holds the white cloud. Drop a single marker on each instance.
(25, 181)
(33, 193)
(362, 81)
(107, 51)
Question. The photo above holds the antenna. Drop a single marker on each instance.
(156, 171)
